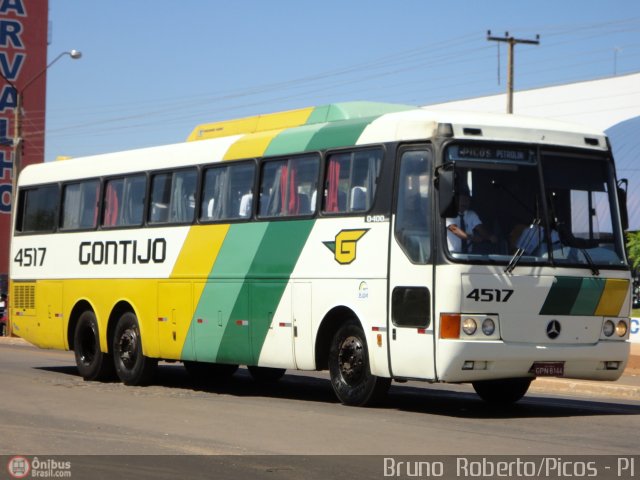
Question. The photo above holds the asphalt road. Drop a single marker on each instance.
(47, 409)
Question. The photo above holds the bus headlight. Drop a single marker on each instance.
(469, 326)
(621, 328)
(488, 326)
(608, 328)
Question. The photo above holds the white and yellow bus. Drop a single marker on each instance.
(380, 242)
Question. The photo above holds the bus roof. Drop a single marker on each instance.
(295, 118)
(319, 128)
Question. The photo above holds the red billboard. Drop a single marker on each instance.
(23, 63)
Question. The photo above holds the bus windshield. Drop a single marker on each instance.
(533, 207)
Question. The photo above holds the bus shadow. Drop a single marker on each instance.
(445, 402)
(435, 400)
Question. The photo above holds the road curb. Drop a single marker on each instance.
(13, 341)
(585, 387)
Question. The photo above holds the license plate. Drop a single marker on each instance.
(547, 369)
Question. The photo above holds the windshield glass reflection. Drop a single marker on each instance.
(507, 215)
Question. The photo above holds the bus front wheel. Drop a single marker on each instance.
(132, 366)
(92, 363)
(349, 369)
(502, 392)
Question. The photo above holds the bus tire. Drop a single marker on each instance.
(349, 369)
(132, 366)
(502, 392)
(203, 372)
(92, 363)
(266, 374)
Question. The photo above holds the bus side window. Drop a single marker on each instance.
(214, 180)
(287, 186)
(133, 201)
(123, 202)
(79, 205)
(227, 192)
(112, 202)
(350, 181)
(241, 189)
(39, 207)
(160, 198)
(183, 196)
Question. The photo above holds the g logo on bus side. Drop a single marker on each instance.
(344, 246)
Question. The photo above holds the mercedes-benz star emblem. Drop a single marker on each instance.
(553, 329)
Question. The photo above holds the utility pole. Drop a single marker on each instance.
(512, 43)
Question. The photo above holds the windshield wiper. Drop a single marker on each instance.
(532, 230)
(568, 239)
(592, 265)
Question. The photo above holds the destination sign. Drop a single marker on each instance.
(489, 153)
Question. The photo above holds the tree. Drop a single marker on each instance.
(633, 246)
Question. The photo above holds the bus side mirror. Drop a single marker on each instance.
(445, 183)
(622, 201)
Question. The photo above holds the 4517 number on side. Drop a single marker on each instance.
(30, 257)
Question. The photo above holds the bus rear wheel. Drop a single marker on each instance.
(502, 392)
(349, 369)
(132, 366)
(92, 363)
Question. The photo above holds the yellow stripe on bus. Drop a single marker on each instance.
(249, 125)
(200, 250)
(249, 146)
(613, 297)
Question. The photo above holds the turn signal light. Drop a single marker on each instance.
(449, 325)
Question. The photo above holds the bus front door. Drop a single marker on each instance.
(410, 326)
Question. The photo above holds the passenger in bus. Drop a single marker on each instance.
(246, 203)
(466, 233)
(533, 241)
(358, 199)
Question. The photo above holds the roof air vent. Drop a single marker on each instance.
(472, 131)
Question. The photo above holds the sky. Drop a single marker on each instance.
(152, 70)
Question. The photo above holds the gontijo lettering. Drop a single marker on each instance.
(122, 252)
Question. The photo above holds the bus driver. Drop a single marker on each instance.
(466, 229)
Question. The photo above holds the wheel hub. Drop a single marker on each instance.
(128, 346)
(351, 360)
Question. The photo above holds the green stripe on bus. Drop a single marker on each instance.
(562, 296)
(245, 287)
(292, 140)
(340, 134)
(589, 296)
(267, 278)
(225, 295)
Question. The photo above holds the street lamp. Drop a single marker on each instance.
(16, 145)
